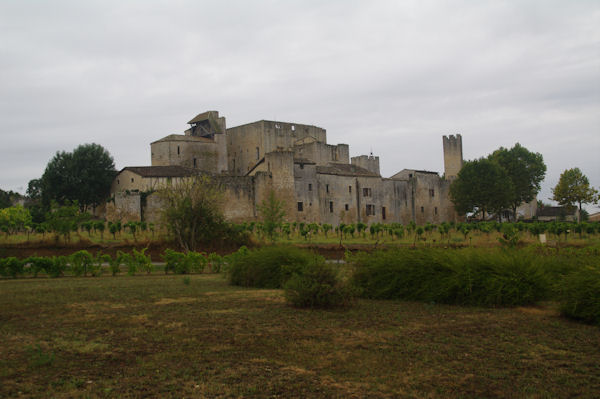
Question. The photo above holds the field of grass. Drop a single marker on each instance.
(195, 336)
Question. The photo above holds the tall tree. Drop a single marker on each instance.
(574, 188)
(526, 171)
(85, 176)
(482, 186)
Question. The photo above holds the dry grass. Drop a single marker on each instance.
(154, 336)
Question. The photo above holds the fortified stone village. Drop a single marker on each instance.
(318, 182)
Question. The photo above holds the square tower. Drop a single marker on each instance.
(453, 155)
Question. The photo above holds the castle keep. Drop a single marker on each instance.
(317, 181)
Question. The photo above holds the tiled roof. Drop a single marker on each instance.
(182, 137)
(161, 171)
(556, 211)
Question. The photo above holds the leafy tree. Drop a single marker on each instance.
(14, 219)
(482, 186)
(85, 175)
(62, 220)
(574, 188)
(272, 213)
(8, 198)
(192, 211)
(525, 169)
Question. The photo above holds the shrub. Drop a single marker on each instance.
(57, 267)
(316, 285)
(465, 277)
(38, 263)
(195, 261)
(268, 267)
(580, 295)
(114, 264)
(11, 267)
(174, 262)
(143, 261)
(81, 261)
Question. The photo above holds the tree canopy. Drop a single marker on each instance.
(272, 214)
(7, 198)
(482, 186)
(192, 211)
(85, 176)
(574, 188)
(526, 171)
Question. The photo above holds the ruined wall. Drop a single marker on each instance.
(126, 208)
(322, 153)
(368, 162)
(197, 153)
(247, 144)
(239, 195)
(453, 155)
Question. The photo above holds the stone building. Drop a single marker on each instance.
(317, 181)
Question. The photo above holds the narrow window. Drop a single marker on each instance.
(309, 187)
(257, 153)
(132, 179)
(367, 192)
(301, 166)
(177, 150)
(118, 181)
(233, 165)
(370, 209)
(346, 207)
(194, 162)
(331, 206)
(300, 206)
(383, 212)
(350, 189)
(422, 210)
(327, 187)
(435, 210)
(431, 192)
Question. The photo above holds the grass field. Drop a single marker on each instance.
(196, 336)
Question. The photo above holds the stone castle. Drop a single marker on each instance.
(317, 181)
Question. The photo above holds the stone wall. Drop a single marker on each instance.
(368, 162)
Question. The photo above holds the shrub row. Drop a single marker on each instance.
(83, 263)
(307, 279)
(483, 277)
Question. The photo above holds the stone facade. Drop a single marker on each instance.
(317, 181)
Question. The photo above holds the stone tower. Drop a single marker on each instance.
(369, 162)
(453, 156)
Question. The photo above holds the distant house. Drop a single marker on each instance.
(552, 213)
(594, 217)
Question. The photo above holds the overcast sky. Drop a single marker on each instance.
(390, 77)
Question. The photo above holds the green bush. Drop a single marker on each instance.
(143, 261)
(479, 277)
(81, 261)
(11, 267)
(57, 267)
(174, 262)
(580, 295)
(317, 285)
(195, 261)
(38, 263)
(268, 267)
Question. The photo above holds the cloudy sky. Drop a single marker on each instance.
(390, 77)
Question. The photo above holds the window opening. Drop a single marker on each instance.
(300, 206)
(309, 187)
(422, 210)
(370, 209)
(331, 206)
(346, 207)
(383, 212)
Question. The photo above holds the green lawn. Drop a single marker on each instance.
(156, 336)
